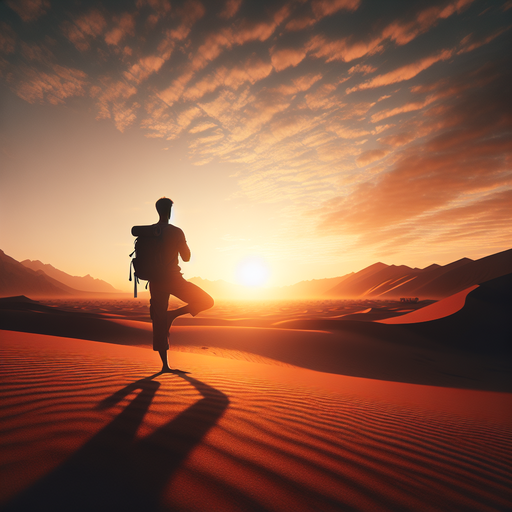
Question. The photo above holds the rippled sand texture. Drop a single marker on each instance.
(89, 426)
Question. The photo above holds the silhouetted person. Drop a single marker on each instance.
(171, 282)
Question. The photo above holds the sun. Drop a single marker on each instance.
(252, 271)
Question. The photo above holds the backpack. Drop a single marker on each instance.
(148, 262)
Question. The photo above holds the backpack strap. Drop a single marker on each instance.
(130, 278)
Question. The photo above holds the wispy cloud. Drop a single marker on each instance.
(462, 163)
(29, 10)
(379, 120)
(230, 9)
(281, 59)
(53, 87)
(124, 25)
(82, 30)
(403, 73)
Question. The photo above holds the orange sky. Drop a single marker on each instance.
(313, 137)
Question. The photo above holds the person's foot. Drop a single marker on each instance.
(171, 370)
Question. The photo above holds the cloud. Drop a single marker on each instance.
(344, 50)
(143, 68)
(408, 107)
(404, 72)
(230, 9)
(404, 31)
(243, 32)
(299, 84)
(371, 156)
(365, 69)
(286, 57)
(29, 10)
(398, 139)
(400, 31)
(111, 102)
(322, 97)
(39, 53)
(251, 71)
(125, 25)
(472, 42)
(322, 8)
(465, 160)
(346, 132)
(190, 13)
(289, 126)
(84, 28)
(300, 23)
(7, 39)
(319, 10)
(256, 114)
(202, 127)
(215, 43)
(124, 115)
(261, 30)
(53, 87)
(231, 84)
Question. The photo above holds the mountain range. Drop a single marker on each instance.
(35, 279)
(85, 283)
(433, 282)
(378, 281)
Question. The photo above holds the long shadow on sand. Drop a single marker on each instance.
(116, 471)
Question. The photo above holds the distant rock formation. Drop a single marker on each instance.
(433, 282)
(16, 279)
(86, 283)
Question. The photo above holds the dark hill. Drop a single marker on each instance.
(433, 282)
(16, 279)
(86, 283)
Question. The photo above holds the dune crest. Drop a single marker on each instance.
(441, 309)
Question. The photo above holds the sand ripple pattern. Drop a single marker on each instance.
(117, 437)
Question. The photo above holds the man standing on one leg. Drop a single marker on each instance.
(171, 282)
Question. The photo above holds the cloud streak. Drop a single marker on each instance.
(384, 122)
(454, 174)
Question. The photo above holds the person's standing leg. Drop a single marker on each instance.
(158, 310)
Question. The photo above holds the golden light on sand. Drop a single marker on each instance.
(252, 271)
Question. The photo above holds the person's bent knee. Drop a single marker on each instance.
(205, 303)
(208, 302)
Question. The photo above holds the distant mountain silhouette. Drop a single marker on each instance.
(433, 282)
(86, 283)
(313, 289)
(378, 281)
(16, 279)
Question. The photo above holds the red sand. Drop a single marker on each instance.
(85, 425)
(441, 309)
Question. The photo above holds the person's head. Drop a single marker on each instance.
(163, 207)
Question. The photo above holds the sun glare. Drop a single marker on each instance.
(252, 271)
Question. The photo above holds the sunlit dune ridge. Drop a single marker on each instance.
(87, 424)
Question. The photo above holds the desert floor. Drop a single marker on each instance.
(289, 406)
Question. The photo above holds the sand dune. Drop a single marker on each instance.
(364, 349)
(344, 415)
(89, 426)
(441, 309)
